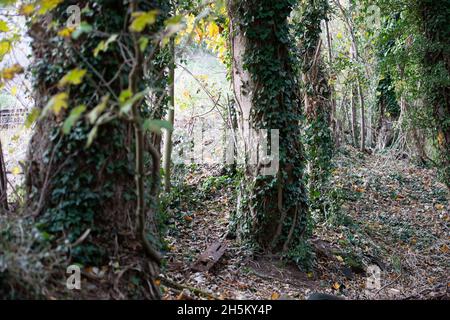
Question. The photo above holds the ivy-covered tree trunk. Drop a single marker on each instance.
(435, 17)
(267, 97)
(84, 194)
(317, 97)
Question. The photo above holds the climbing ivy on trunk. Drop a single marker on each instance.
(268, 97)
(306, 27)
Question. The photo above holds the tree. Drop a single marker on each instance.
(3, 182)
(86, 176)
(434, 17)
(317, 97)
(267, 97)
(346, 15)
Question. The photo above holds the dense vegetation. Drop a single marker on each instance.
(115, 175)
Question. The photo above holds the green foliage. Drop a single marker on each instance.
(303, 255)
(387, 98)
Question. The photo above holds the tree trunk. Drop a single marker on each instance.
(319, 104)
(354, 116)
(73, 189)
(171, 120)
(3, 182)
(333, 98)
(363, 117)
(276, 217)
(434, 17)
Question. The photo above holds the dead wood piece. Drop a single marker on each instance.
(210, 257)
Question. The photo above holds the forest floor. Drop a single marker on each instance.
(394, 220)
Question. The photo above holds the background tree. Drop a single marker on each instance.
(267, 97)
(435, 17)
(318, 103)
(3, 182)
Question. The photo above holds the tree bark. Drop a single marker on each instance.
(277, 211)
(171, 120)
(434, 17)
(3, 182)
(333, 98)
(72, 187)
(363, 117)
(354, 116)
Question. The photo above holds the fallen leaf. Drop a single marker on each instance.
(275, 296)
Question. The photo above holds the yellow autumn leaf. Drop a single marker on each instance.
(11, 72)
(66, 32)
(48, 5)
(3, 26)
(186, 94)
(441, 138)
(14, 91)
(199, 33)
(336, 286)
(5, 47)
(213, 29)
(439, 206)
(142, 20)
(26, 10)
(275, 296)
(340, 259)
(103, 45)
(74, 77)
(15, 171)
(57, 103)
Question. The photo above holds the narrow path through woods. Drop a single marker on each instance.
(394, 215)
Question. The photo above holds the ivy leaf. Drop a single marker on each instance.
(156, 125)
(84, 27)
(128, 104)
(97, 111)
(57, 102)
(75, 114)
(91, 136)
(142, 19)
(103, 45)
(173, 20)
(143, 43)
(125, 95)
(74, 77)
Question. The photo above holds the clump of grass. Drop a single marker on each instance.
(28, 265)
